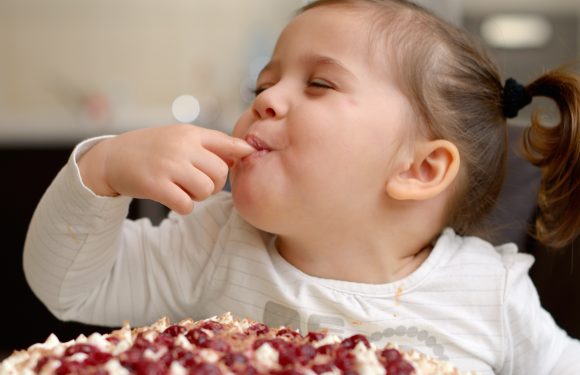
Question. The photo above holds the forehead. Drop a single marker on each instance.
(340, 32)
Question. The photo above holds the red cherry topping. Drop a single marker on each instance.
(258, 329)
(210, 325)
(325, 349)
(205, 369)
(197, 337)
(285, 332)
(344, 359)
(234, 359)
(400, 368)
(391, 355)
(174, 330)
(97, 358)
(68, 367)
(352, 341)
(219, 345)
(80, 348)
(113, 340)
(41, 362)
(315, 336)
(184, 357)
(321, 368)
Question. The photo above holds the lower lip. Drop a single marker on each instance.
(254, 156)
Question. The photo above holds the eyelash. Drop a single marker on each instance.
(316, 83)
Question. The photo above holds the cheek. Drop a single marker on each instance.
(241, 127)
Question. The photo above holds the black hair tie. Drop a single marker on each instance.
(514, 98)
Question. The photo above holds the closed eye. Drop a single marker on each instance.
(320, 83)
(258, 90)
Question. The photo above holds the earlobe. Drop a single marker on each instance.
(434, 168)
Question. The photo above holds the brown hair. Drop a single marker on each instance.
(456, 92)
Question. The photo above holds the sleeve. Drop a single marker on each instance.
(534, 344)
(87, 262)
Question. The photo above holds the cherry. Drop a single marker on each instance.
(97, 358)
(287, 358)
(41, 362)
(344, 359)
(219, 345)
(289, 371)
(68, 367)
(174, 330)
(285, 332)
(325, 349)
(210, 325)
(395, 363)
(353, 340)
(113, 340)
(305, 353)
(146, 367)
(205, 369)
(141, 342)
(322, 368)
(391, 355)
(184, 357)
(80, 348)
(130, 357)
(400, 368)
(259, 329)
(233, 359)
(197, 337)
(315, 336)
(249, 370)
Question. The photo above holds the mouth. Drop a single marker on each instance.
(257, 143)
(262, 148)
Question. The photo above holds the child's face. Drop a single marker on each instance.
(333, 125)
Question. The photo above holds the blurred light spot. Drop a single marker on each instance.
(185, 108)
(516, 31)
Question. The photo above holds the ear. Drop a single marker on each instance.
(434, 168)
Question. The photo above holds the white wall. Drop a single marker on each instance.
(58, 55)
(140, 54)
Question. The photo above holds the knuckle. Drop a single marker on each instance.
(205, 190)
(223, 171)
(184, 206)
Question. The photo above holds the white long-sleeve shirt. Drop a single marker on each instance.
(469, 302)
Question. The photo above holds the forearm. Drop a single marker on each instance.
(569, 363)
(72, 242)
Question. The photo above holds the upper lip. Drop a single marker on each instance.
(257, 143)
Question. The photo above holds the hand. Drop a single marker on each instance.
(173, 165)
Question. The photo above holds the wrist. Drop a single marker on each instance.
(92, 168)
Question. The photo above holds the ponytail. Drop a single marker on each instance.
(555, 149)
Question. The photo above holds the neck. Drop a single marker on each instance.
(375, 243)
(364, 256)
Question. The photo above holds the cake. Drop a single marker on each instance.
(218, 345)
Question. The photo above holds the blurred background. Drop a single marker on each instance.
(73, 69)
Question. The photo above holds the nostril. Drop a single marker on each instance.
(270, 112)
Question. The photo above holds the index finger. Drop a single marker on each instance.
(225, 146)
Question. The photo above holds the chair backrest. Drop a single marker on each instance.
(556, 274)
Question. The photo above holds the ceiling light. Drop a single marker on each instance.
(185, 108)
(516, 31)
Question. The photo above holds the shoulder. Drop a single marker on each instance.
(501, 269)
(477, 251)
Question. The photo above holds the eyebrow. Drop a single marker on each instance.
(314, 60)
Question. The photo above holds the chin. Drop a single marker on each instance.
(254, 210)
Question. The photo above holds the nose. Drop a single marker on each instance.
(270, 103)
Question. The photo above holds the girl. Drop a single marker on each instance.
(375, 145)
